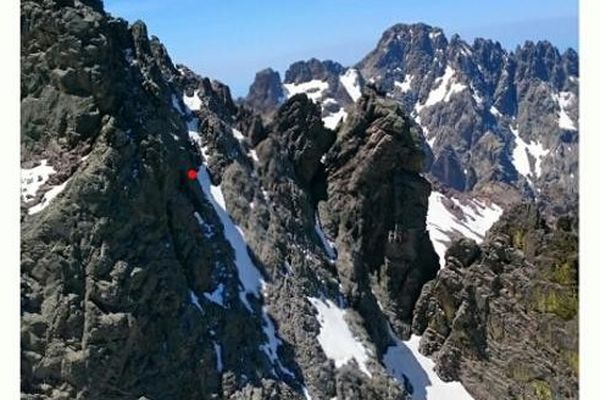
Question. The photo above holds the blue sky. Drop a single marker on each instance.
(231, 40)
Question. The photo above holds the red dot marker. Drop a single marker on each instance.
(192, 174)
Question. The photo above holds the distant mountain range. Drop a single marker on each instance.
(497, 123)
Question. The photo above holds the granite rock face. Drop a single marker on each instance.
(373, 185)
(502, 317)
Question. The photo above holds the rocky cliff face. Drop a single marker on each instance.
(266, 93)
(255, 280)
(502, 317)
(116, 267)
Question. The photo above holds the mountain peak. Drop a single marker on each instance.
(311, 69)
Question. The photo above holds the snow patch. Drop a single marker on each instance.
(332, 120)
(441, 222)
(48, 197)
(219, 355)
(335, 336)
(478, 99)
(33, 178)
(238, 135)
(404, 86)
(216, 296)
(314, 89)
(494, 111)
(403, 360)
(175, 103)
(195, 302)
(351, 83)
(521, 153)
(273, 343)
(445, 88)
(253, 155)
(328, 245)
(193, 102)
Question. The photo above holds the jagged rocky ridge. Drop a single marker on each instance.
(289, 269)
(140, 283)
(501, 125)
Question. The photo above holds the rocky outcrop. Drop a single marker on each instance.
(303, 136)
(266, 92)
(306, 71)
(374, 186)
(502, 317)
(327, 82)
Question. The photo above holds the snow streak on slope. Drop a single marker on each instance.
(351, 83)
(335, 336)
(477, 218)
(446, 87)
(48, 197)
(250, 276)
(564, 100)
(33, 178)
(314, 89)
(521, 153)
(404, 360)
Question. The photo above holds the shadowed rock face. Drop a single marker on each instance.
(502, 317)
(266, 92)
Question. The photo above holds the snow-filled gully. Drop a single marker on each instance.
(402, 359)
(252, 282)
